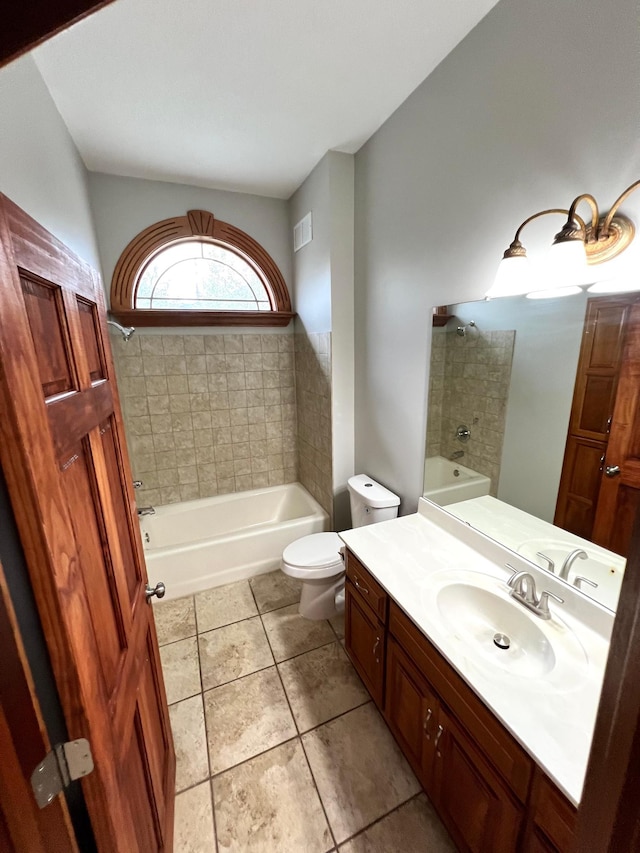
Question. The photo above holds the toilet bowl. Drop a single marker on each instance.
(318, 561)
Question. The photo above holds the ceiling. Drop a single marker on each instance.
(243, 95)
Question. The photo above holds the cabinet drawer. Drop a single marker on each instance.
(552, 813)
(504, 753)
(368, 587)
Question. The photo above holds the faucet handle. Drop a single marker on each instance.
(543, 603)
(551, 566)
(138, 484)
(578, 581)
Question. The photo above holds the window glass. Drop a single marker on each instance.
(198, 275)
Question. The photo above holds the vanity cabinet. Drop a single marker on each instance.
(365, 615)
(477, 776)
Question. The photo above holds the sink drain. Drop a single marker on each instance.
(501, 641)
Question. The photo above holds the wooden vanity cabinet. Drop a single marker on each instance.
(365, 614)
(477, 776)
(552, 818)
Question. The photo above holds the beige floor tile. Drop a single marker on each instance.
(270, 804)
(275, 590)
(180, 669)
(246, 717)
(291, 634)
(414, 828)
(349, 757)
(175, 620)
(233, 651)
(337, 623)
(190, 740)
(224, 605)
(320, 685)
(193, 831)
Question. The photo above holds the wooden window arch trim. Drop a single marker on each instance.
(196, 223)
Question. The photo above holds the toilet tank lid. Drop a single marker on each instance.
(317, 550)
(373, 493)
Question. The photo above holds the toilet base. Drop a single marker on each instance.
(318, 598)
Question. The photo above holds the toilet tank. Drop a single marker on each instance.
(370, 502)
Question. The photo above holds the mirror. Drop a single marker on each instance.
(501, 387)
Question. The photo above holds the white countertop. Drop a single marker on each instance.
(553, 722)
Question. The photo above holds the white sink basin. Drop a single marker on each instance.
(479, 615)
(470, 609)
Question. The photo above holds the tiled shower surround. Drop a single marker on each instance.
(216, 413)
(469, 384)
(207, 414)
(313, 396)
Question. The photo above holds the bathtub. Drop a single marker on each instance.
(448, 482)
(200, 544)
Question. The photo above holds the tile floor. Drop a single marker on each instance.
(279, 748)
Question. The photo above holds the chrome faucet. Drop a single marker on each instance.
(523, 589)
(457, 454)
(569, 560)
(146, 510)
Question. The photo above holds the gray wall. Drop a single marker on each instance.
(40, 168)
(324, 300)
(539, 103)
(123, 207)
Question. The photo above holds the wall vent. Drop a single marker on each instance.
(302, 232)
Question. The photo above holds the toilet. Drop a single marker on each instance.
(317, 559)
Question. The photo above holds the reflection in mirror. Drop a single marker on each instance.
(503, 374)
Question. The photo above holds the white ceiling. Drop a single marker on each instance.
(244, 95)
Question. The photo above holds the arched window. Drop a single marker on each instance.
(196, 270)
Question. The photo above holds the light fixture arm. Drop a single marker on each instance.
(592, 233)
(516, 249)
(604, 231)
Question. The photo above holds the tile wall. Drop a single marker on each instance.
(207, 414)
(469, 385)
(313, 396)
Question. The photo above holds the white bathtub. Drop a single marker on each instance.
(199, 544)
(448, 482)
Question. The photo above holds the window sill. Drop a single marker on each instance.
(142, 318)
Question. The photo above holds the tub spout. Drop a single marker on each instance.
(146, 510)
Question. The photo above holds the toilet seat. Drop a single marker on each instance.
(314, 557)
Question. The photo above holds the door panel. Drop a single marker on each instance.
(65, 460)
(619, 495)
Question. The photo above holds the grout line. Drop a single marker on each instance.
(383, 817)
(322, 805)
(206, 731)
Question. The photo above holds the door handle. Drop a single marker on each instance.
(375, 649)
(159, 589)
(425, 726)
(612, 470)
(438, 736)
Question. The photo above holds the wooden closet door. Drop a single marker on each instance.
(619, 496)
(65, 460)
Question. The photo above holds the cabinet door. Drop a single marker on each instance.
(472, 801)
(364, 642)
(411, 712)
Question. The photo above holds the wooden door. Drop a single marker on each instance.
(65, 461)
(411, 710)
(364, 642)
(619, 496)
(474, 804)
(23, 745)
(594, 394)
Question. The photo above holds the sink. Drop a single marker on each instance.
(471, 610)
(478, 615)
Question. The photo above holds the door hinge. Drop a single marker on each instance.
(66, 762)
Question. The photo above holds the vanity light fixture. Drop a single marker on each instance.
(575, 247)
